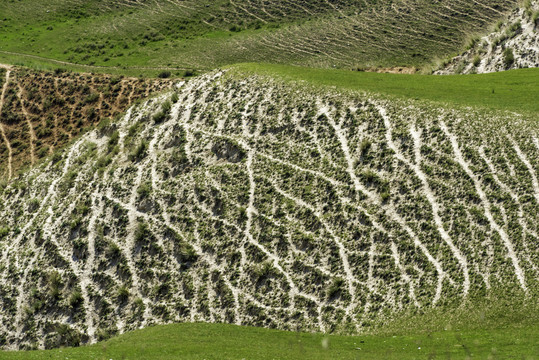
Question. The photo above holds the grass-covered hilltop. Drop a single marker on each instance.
(217, 180)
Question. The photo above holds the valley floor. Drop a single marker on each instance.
(220, 341)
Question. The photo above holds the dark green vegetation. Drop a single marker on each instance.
(123, 35)
(515, 90)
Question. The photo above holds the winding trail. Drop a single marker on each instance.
(2, 130)
(33, 137)
(92, 66)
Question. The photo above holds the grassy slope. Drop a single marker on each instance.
(516, 90)
(220, 341)
(205, 34)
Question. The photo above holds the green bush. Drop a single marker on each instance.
(159, 117)
(140, 151)
(164, 74)
(75, 300)
(3, 232)
(123, 293)
(92, 98)
(144, 190)
(335, 288)
(535, 18)
(508, 57)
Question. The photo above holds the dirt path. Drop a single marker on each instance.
(33, 137)
(91, 66)
(2, 131)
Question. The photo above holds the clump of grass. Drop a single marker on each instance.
(164, 74)
(472, 42)
(75, 300)
(476, 61)
(123, 293)
(140, 151)
(514, 30)
(335, 288)
(144, 190)
(535, 18)
(163, 113)
(508, 57)
(4, 231)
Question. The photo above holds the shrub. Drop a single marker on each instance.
(113, 251)
(188, 253)
(3, 232)
(144, 190)
(140, 151)
(123, 293)
(142, 232)
(535, 18)
(508, 57)
(476, 61)
(514, 29)
(67, 336)
(166, 107)
(92, 98)
(335, 288)
(55, 282)
(75, 300)
(472, 42)
(159, 117)
(235, 28)
(364, 146)
(164, 74)
(113, 140)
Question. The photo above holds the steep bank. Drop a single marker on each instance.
(241, 199)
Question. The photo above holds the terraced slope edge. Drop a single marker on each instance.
(244, 200)
(513, 45)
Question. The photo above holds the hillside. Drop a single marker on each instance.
(246, 199)
(204, 34)
(514, 44)
(43, 111)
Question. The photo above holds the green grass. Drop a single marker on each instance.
(484, 328)
(45, 64)
(515, 90)
(220, 341)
